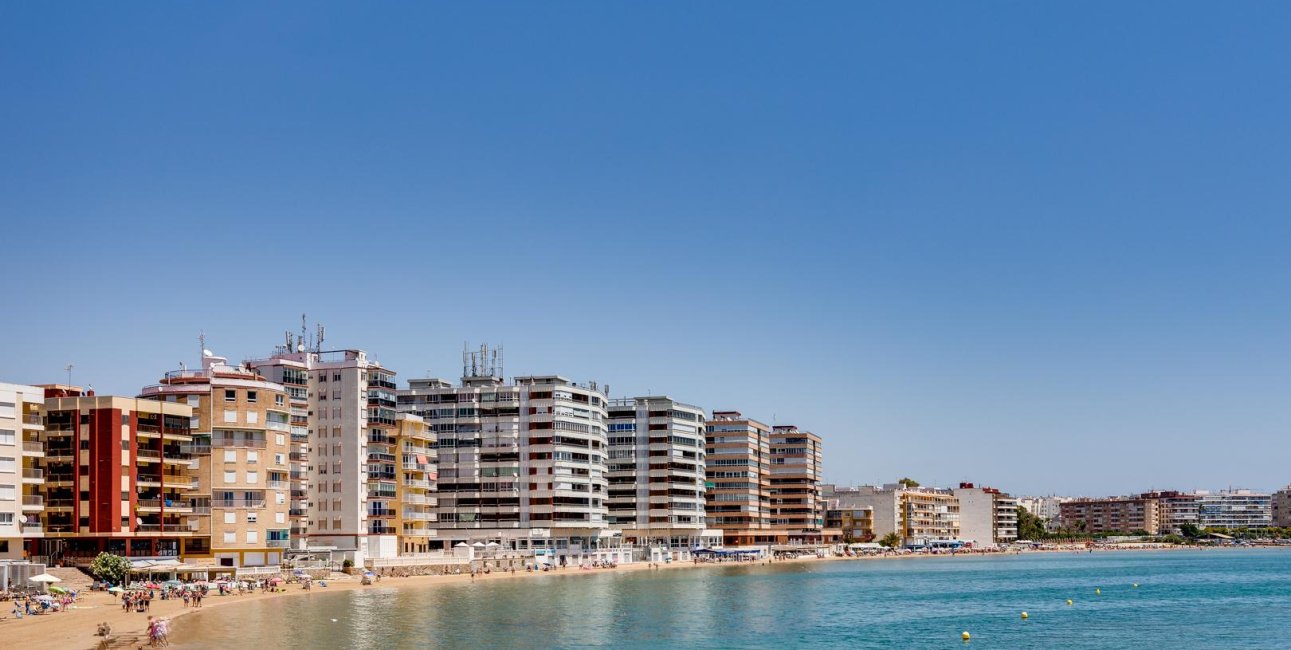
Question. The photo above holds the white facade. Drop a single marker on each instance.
(21, 418)
(1047, 508)
(520, 464)
(987, 517)
(1234, 509)
(656, 472)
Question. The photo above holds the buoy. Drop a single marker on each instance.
(966, 636)
(1068, 601)
(1098, 592)
(1136, 585)
(333, 620)
(1024, 616)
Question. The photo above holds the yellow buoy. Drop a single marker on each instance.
(1068, 601)
(1098, 592)
(1024, 616)
(966, 636)
(1136, 585)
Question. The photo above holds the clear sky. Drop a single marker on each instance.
(1041, 247)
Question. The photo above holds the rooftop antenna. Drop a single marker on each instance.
(201, 344)
(69, 373)
(322, 332)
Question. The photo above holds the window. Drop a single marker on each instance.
(230, 517)
(253, 417)
(252, 397)
(194, 401)
(253, 456)
(8, 465)
(253, 477)
(252, 517)
(230, 456)
(279, 459)
(6, 518)
(7, 437)
(280, 438)
(230, 416)
(230, 537)
(253, 536)
(230, 477)
(280, 517)
(278, 400)
(8, 493)
(230, 395)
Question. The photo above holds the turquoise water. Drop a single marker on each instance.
(1186, 599)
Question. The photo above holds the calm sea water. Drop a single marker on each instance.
(1185, 599)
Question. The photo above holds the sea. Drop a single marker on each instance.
(1183, 599)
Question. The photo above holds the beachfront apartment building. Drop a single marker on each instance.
(1126, 515)
(241, 439)
(920, 516)
(1280, 507)
(738, 464)
(1234, 509)
(853, 524)
(292, 373)
(522, 464)
(987, 517)
(117, 478)
(656, 473)
(22, 421)
(416, 478)
(797, 509)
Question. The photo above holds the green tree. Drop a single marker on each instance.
(1030, 526)
(909, 482)
(890, 540)
(1190, 530)
(112, 569)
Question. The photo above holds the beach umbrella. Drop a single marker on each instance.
(45, 578)
(57, 590)
(115, 590)
(460, 545)
(493, 544)
(478, 545)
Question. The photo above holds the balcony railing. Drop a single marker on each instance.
(33, 473)
(36, 500)
(277, 543)
(33, 447)
(238, 503)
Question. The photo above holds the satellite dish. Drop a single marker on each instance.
(207, 353)
(300, 347)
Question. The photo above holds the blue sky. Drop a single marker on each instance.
(1035, 246)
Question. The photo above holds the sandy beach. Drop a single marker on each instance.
(76, 627)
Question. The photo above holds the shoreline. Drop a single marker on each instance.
(76, 627)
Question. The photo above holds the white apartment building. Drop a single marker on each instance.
(656, 473)
(350, 419)
(22, 411)
(1234, 509)
(1047, 508)
(521, 465)
(987, 517)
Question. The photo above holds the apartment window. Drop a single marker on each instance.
(8, 465)
(194, 401)
(336, 432)
(279, 498)
(230, 477)
(230, 537)
(336, 376)
(280, 517)
(279, 459)
(336, 413)
(230, 517)
(253, 477)
(7, 437)
(280, 438)
(230, 456)
(8, 493)
(6, 518)
(252, 517)
(336, 394)
(230, 395)
(252, 396)
(230, 416)
(336, 524)
(253, 456)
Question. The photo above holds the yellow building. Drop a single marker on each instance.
(415, 484)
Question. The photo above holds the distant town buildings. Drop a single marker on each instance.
(987, 517)
(1165, 512)
(1280, 507)
(919, 516)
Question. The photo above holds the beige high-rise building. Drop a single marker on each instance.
(22, 411)
(241, 440)
(987, 517)
(293, 375)
(796, 504)
(738, 468)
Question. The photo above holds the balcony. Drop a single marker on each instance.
(36, 449)
(33, 502)
(32, 422)
(57, 455)
(33, 530)
(238, 503)
(277, 543)
(383, 383)
(53, 504)
(36, 476)
(276, 485)
(148, 454)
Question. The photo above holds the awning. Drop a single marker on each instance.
(421, 460)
